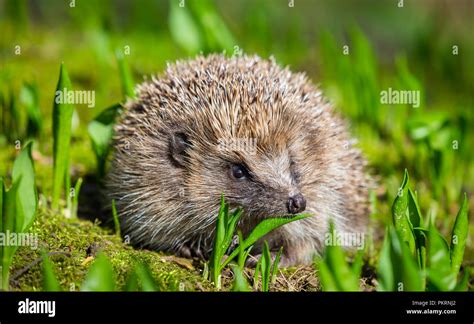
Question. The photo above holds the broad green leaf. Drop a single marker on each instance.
(50, 283)
(109, 115)
(184, 29)
(345, 279)
(400, 216)
(262, 229)
(240, 283)
(334, 261)
(100, 276)
(408, 272)
(100, 131)
(397, 268)
(62, 121)
(385, 269)
(463, 284)
(27, 199)
(440, 272)
(100, 135)
(218, 37)
(423, 126)
(459, 236)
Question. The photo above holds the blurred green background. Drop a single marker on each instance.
(425, 46)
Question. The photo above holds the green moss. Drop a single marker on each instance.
(77, 242)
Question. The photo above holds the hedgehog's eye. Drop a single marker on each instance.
(294, 172)
(239, 171)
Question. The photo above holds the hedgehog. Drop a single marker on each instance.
(248, 129)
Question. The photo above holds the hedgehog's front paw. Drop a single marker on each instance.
(187, 251)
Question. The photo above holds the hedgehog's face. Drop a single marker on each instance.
(265, 185)
(264, 179)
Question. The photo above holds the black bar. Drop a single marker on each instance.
(245, 307)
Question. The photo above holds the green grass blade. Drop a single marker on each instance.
(266, 266)
(29, 99)
(243, 253)
(416, 221)
(27, 198)
(2, 229)
(126, 79)
(256, 274)
(2, 193)
(11, 214)
(343, 275)
(50, 283)
(75, 199)
(459, 236)
(116, 218)
(400, 216)
(219, 250)
(358, 263)
(100, 276)
(275, 265)
(414, 213)
(62, 120)
(132, 282)
(231, 226)
(145, 278)
(326, 278)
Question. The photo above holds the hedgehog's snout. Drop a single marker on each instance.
(296, 204)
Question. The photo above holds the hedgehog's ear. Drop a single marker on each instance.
(178, 144)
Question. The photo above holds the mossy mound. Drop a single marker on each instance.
(72, 245)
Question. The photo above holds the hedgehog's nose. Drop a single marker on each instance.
(296, 204)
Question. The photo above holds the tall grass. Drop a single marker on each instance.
(62, 121)
(18, 206)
